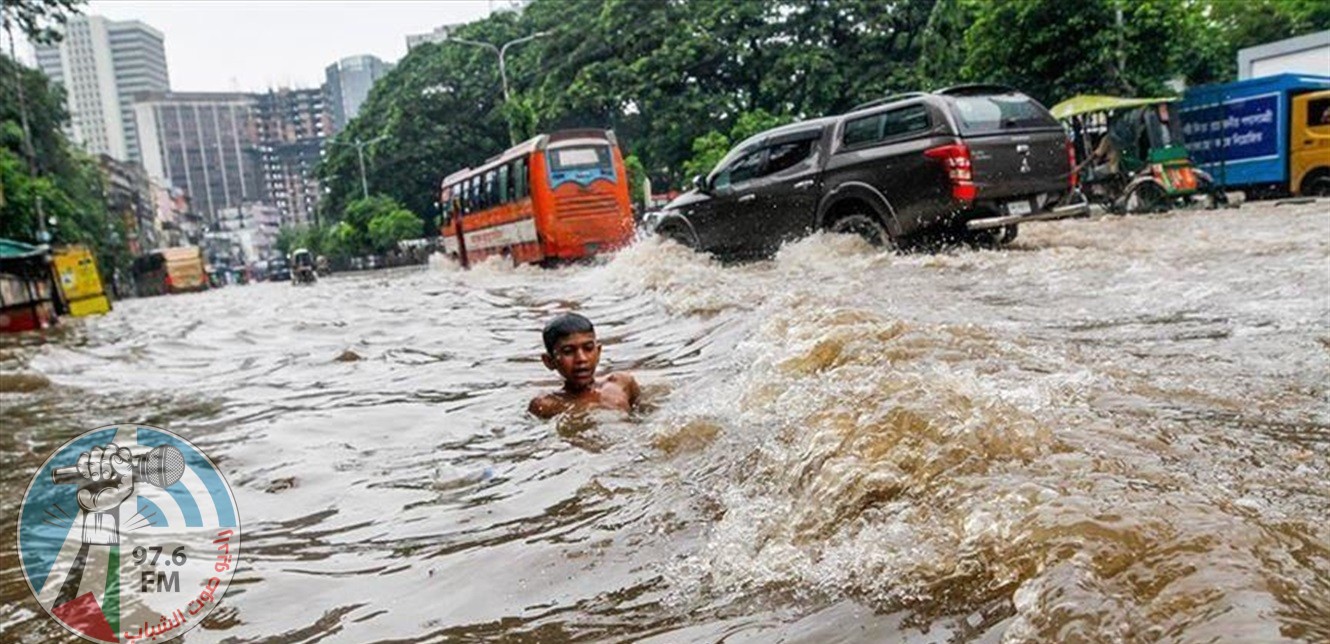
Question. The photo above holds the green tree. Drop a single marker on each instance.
(287, 239)
(39, 20)
(1068, 48)
(439, 110)
(1253, 22)
(711, 147)
(388, 228)
(66, 182)
(708, 150)
(311, 238)
(343, 241)
(664, 75)
(372, 224)
(941, 50)
(637, 180)
(361, 211)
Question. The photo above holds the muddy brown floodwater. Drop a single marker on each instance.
(1116, 430)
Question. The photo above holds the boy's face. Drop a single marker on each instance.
(575, 358)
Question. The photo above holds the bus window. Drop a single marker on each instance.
(491, 190)
(520, 171)
(504, 193)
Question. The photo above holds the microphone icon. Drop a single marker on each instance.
(159, 466)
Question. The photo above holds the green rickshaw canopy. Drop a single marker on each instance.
(1097, 103)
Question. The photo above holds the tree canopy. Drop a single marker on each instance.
(66, 182)
(676, 80)
(370, 225)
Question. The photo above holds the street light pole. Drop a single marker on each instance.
(364, 183)
(502, 53)
(360, 157)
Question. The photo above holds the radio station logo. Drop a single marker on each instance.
(129, 533)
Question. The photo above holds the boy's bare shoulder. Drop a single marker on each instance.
(546, 406)
(621, 378)
(627, 383)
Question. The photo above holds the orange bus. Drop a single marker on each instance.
(558, 196)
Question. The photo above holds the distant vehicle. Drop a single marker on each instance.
(558, 196)
(279, 269)
(1266, 136)
(321, 266)
(302, 267)
(662, 199)
(170, 270)
(976, 161)
(1151, 168)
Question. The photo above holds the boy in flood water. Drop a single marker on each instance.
(572, 350)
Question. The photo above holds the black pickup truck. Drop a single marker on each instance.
(975, 161)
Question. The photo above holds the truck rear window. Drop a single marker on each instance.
(994, 113)
(886, 125)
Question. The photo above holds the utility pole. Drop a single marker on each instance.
(1122, 55)
(502, 52)
(360, 157)
(43, 236)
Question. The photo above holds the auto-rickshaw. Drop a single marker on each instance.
(302, 267)
(1129, 152)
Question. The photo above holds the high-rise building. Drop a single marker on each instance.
(102, 64)
(292, 127)
(439, 35)
(205, 142)
(349, 82)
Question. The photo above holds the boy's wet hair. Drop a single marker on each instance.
(564, 326)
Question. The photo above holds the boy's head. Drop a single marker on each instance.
(572, 350)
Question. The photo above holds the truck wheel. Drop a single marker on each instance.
(866, 226)
(991, 238)
(1318, 186)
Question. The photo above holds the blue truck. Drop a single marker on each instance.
(1266, 136)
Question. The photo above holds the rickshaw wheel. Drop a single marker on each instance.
(1146, 198)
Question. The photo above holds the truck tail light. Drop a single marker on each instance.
(956, 158)
(1075, 177)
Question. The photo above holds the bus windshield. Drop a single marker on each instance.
(583, 164)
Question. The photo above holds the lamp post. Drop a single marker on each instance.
(502, 52)
(360, 156)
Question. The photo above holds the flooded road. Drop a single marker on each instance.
(1115, 430)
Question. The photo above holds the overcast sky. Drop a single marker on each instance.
(253, 45)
